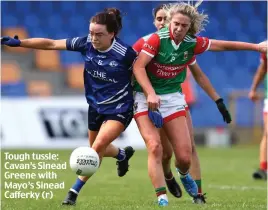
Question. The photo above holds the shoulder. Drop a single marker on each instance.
(119, 47)
(163, 33)
(122, 49)
(146, 37)
(190, 38)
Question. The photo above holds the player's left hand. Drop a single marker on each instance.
(156, 118)
(253, 95)
(223, 110)
(263, 47)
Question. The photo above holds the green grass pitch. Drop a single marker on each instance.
(226, 180)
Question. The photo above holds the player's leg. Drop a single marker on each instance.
(81, 180)
(171, 182)
(122, 155)
(176, 129)
(109, 131)
(261, 173)
(94, 123)
(152, 140)
(195, 169)
(178, 135)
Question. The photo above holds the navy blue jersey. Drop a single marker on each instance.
(107, 74)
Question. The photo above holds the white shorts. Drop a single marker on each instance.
(265, 107)
(172, 105)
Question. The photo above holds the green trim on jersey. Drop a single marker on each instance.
(167, 70)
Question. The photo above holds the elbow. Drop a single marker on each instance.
(52, 45)
(136, 68)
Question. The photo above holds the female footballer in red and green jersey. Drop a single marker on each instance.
(195, 170)
(261, 173)
(159, 70)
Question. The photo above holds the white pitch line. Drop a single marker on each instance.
(234, 187)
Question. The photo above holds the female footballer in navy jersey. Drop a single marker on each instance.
(107, 80)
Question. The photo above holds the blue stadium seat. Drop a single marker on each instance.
(31, 21)
(22, 8)
(233, 24)
(9, 21)
(246, 9)
(256, 24)
(14, 89)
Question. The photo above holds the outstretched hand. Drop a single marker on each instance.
(11, 42)
(263, 47)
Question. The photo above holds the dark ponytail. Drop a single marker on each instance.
(111, 17)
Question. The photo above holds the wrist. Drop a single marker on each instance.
(151, 92)
(253, 89)
(219, 100)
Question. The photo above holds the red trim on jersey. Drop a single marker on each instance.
(201, 45)
(264, 57)
(175, 115)
(152, 45)
(138, 45)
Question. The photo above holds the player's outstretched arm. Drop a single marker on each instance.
(220, 45)
(34, 43)
(206, 85)
(258, 77)
(203, 81)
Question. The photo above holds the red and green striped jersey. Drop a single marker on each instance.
(167, 69)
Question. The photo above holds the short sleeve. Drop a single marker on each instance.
(151, 46)
(77, 44)
(138, 45)
(202, 45)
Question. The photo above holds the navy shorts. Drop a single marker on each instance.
(95, 120)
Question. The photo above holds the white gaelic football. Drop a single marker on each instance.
(84, 161)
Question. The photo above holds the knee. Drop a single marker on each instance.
(185, 158)
(99, 147)
(167, 155)
(155, 148)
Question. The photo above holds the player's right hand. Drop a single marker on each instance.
(11, 42)
(253, 95)
(153, 101)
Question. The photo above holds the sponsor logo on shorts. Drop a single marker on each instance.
(121, 116)
(180, 108)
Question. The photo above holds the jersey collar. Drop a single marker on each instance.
(104, 51)
(174, 44)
